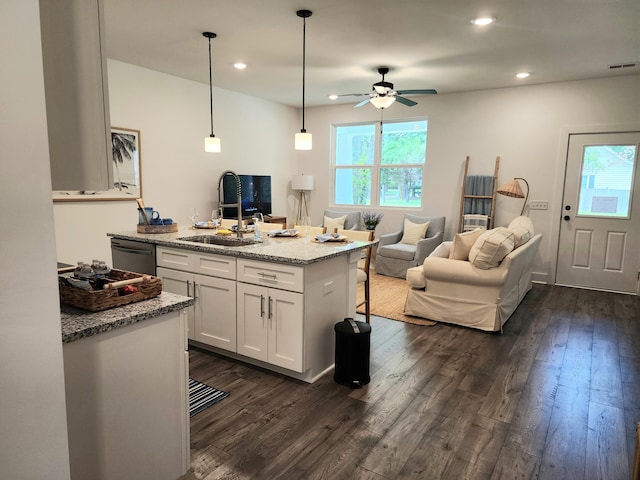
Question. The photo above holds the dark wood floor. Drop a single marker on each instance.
(556, 396)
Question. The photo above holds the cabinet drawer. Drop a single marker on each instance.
(274, 275)
(220, 266)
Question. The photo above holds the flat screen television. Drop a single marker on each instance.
(256, 195)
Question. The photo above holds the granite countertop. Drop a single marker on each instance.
(77, 323)
(291, 250)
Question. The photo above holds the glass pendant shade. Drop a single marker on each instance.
(382, 102)
(212, 145)
(303, 141)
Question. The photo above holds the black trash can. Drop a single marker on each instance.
(353, 341)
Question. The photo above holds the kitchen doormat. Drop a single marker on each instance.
(202, 396)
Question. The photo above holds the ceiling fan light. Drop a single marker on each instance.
(212, 144)
(303, 141)
(382, 102)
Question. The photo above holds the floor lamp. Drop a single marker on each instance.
(302, 183)
(512, 189)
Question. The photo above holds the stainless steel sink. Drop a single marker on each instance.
(228, 241)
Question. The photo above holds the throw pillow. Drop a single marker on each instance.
(413, 232)
(491, 247)
(522, 228)
(462, 243)
(442, 250)
(333, 223)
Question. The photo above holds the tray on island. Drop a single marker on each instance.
(157, 228)
(147, 287)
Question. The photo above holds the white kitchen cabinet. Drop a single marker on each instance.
(127, 401)
(212, 319)
(77, 94)
(270, 325)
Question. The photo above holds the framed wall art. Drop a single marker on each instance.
(126, 168)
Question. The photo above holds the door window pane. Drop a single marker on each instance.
(607, 180)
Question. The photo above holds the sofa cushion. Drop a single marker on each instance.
(400, 251)
(462, 243)
(332, 223)
(522, 228)
(491, 248)
(413, 232)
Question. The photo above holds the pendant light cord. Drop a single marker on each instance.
(304, 62)
(210, 89)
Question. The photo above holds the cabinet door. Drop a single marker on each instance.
(180, 283)
(285, 329)
(216, 312)
(252, 321)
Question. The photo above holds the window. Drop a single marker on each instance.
(379, 168)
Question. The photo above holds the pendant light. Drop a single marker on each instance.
(211, 143)
(303, 139)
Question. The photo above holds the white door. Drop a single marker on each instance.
(285, 329)
(216, 311)
(252, 321)
(180, 283)
(599, 244)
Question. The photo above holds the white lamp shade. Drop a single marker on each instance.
(302, 182)
(212, 145)
(382, 102)
(303, 141)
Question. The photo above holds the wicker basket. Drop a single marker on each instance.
(97, 300)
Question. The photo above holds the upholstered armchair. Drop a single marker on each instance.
(396, 252)
(352, 220)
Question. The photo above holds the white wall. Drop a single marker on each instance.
(33, 432)
(172, 115)
(526, 126)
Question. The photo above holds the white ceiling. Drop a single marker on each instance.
(426, 43)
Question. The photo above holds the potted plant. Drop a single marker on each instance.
(371, 219)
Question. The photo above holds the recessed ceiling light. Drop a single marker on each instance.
(482, 21)
(333, 96)
(240, 65)
(522, 74)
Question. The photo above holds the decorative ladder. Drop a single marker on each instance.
(470, 195)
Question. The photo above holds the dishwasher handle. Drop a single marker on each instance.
(135, 251)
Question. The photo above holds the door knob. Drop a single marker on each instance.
(567, 217)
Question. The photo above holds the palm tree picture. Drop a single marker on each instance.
(125, 151)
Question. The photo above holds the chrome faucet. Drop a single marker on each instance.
(239, 202)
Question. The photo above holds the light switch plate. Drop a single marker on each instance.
(538, 205)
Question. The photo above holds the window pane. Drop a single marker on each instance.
(353, 186)
(355, 144)
(401, 187)
(607, 180)
(404, 143)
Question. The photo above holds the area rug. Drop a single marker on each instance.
(202, 396)
(388, 295)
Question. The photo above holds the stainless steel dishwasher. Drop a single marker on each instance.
(133, 256)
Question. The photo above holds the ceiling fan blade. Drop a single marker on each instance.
(364, 102)
(354, 95)
(405, 101)
(429, 91)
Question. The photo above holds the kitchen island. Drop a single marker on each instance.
(271, 304)
(126, 387)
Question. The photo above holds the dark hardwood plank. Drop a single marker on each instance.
(555, 396)
(565, 447)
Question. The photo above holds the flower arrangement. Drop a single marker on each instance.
(371, 219)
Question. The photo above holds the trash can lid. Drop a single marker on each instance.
(353, 327)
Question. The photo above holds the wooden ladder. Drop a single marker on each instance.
(491, 197)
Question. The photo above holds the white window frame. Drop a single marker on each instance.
(376, 167)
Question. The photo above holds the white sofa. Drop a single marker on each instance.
(458, 292)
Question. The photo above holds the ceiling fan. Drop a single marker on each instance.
(383, 95)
